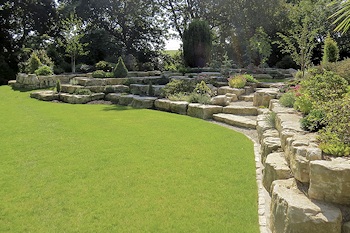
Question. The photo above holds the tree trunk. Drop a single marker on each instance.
(73, 63)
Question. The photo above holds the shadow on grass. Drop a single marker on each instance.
(115, 107)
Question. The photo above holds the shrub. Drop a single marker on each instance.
(330, 50)
(178, 97)
(203, 89)
(270, 118)
(99, 74)
(324, 87)
(33, 63)
(237, 81)
(44, 70)
(341, 68)
(58, 86)
(120, 70)
(250, 78)
(199, 98)
(288, 99)
(82, 91)
(335, 136)
(105, 66)
(314, 121)
(197, 44)
(44, 58)
(178, 86)
(303, 103)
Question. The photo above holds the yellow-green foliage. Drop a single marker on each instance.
(238, 81)
(203, 89)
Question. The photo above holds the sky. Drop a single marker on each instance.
(172, 44)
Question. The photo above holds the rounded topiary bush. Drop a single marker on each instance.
(44, 70)
(120, 71)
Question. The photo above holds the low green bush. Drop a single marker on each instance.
(288, 99)
(44, 70)
(105, 66)
(335, 136)
(82, 91)
(99, 74)
(250, 78)
(178, 97)
(342, 68)
(199, 98)
(238, 81)
(203, 89)
(303, 103)
(178, 86)
(314, 121)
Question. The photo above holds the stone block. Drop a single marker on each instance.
(67, 88)
(113, 97)
(278, 108)
(96, 89)
(203, 111)
(232, 97)
(126, 99)
(116, 81)
(276, 168)
(97, 96)
(241, 110)
(293, 212)
(179, 107)
(75, 99)
(263, 97)
(330, 181)
(116, 89)
(269, 145)
(286, 121)
(45, 95)
(162, 104)
(221, 100)
(226, 89)
(143, 102)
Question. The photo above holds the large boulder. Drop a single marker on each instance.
(113, 97)
(162, 104)
(75, 99)
(293, 212)
(330, 181)
(300, 150)
(126, 99)
(221, 100)
(203, 111)
(263, 97)
(269, 145)
(143, 102)
(276, 168)
(45, 95)
(226, 89)
(179, 107)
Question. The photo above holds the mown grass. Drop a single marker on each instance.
(101, 168)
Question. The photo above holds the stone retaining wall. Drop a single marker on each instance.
(317, 196)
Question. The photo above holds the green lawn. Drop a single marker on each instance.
(103, 168)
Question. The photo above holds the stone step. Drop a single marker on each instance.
(241, 110)
(235, 120)
(246, 98)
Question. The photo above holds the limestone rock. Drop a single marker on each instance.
(113, 97)
(84, 81)
(232, 97)
(286, 121)
(75, 99)
(96, 89)
(278, 108)
(235, 120)
(203, 111)
(67, 88)
(179, 107)
(221, 100)
(241, 110)
(126, 99)
(116, 81)
(45, 95)
(116, 89)
(162, 104)
(276, 168)
(330, 181)
(300, 150)
(263, 97)
(226, 89)
(293, 212)
(269, 145)
(143, 102)
(97, 96)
